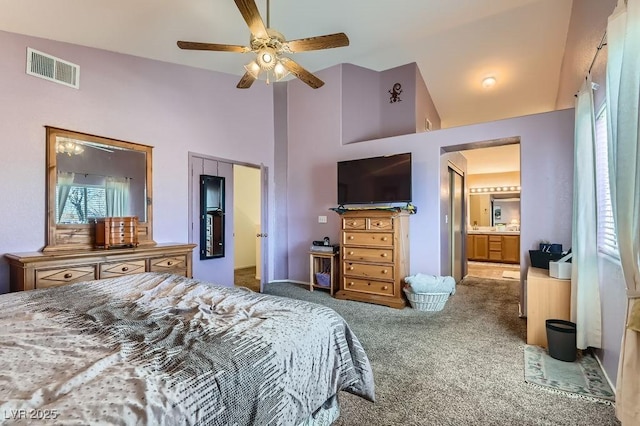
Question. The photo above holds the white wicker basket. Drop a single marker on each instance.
(426, 301)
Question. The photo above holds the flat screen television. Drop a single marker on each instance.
(375, 180)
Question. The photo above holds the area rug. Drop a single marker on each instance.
(582, 378)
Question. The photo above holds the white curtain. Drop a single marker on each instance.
(623, 99)
(117, 193)
(63, 184)
(585, 290)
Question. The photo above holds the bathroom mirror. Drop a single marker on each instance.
(90, 177)
(211, 217)
(492, 209)
(479, 210)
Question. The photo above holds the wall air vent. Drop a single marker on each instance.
(53, 69)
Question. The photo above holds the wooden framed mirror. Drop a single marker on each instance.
(90, 177)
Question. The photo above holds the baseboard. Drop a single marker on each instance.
(606, 376)
(289, 281)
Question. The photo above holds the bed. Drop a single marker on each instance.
(164, 349)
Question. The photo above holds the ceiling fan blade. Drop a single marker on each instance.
(251, 15)
(328, 41)
(304, 75)
(193, 45)
(246, 81)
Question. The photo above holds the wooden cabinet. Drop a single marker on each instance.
(547, 298)
(30, 271)
(493, 248)
(511, 248)
(117, 232)
(479, 246)
(172, 263)
(53, 277)
(118, 269)
(375, 256)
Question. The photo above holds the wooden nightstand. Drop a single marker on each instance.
(323, 268)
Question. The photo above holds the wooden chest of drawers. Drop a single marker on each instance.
(117, 232)
(34, 270)
(375, 256)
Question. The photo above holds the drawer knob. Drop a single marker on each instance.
(68, 275)
(384, 271)
(351, 237)
(378, 223)
(125, 269)
(351, 253)
(384, 255)
(351, 283)
(352, 223)
(386, 287)
(170, 263)
(350, 268)
(384, 238)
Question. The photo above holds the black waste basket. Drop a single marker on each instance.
(561, 338)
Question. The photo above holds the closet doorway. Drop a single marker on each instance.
(245, 219)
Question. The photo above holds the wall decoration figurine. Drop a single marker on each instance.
(395, 93)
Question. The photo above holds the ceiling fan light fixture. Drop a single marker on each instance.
(69, 147)
(253, 68)
(266, 58)
(279, 71)
(268, 45)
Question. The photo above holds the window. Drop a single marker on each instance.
(607, 241)
(82, 203)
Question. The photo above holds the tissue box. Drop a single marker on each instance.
(561, 269)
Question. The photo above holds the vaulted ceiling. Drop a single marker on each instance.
(456, 43)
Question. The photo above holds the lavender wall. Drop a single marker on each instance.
(279, 205)
(425, 108)
(314, 139)
(314, 126)
(360, 104)
(398, 118)
(367, 112)
(174, 108)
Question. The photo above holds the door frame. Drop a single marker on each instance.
(452, 168)
(264, 204)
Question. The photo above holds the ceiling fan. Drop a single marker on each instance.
(269, 46)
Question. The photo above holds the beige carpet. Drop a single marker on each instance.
(246, 277)
(460, 366)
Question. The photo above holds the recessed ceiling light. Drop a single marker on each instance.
(489, 82)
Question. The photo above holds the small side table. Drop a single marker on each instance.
(547, 298)
(323, 271)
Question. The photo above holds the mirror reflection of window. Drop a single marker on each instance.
(97, 180)
(82, 199)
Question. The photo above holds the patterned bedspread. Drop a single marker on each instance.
(162, 349)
